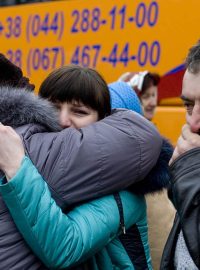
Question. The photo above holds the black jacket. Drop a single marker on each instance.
(185, 195)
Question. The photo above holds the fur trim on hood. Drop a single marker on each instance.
(19, 107)
(159, 177)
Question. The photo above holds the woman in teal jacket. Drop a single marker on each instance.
(60, 240)
(37, 224)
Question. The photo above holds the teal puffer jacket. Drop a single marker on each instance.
(89, 231)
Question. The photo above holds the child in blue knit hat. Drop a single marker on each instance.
(123, 96)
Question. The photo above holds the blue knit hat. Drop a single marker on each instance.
(123, 96)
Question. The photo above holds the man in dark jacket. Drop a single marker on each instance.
(182, 250)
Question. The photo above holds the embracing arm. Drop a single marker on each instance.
(92, 162)
(62, 240)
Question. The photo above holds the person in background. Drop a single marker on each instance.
(146, 86)
(182, 250)
(160, 210)
(78, 163)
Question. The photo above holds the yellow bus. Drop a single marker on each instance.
(110, 36)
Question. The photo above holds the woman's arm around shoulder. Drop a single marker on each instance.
(97, 160)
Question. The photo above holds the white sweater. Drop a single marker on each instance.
(182, 258)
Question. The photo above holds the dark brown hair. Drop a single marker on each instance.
(75, 83)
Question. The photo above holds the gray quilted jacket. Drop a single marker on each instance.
(78, 165)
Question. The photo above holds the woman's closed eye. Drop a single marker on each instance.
(80, 112)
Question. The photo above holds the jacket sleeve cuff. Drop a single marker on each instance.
(6, 187)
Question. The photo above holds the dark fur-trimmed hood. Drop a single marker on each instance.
(19, 107)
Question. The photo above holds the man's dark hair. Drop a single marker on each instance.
(80, 84)
(192, 61)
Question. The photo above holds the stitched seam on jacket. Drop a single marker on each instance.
(101, 161)
(139, 143)
(58, 194)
